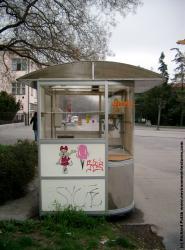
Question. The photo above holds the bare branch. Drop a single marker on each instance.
(55, 31)
(22, 19)
(4, 62)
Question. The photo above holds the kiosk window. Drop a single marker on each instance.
(120, 122)
(72, 111)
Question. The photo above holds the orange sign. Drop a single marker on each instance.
(119, 103)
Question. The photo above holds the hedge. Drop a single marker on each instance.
(17, 168)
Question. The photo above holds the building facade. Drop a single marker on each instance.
(12, 67)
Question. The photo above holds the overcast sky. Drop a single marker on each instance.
(140, 38)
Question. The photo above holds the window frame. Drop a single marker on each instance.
(19, 64)
(18, 88)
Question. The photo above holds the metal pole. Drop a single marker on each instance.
(28, 70)
(28, 105)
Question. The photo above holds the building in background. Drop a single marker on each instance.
(13, 66)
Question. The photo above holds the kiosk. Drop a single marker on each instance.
(85, 123)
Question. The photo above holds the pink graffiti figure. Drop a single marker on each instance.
(82, 154)
(64, 158)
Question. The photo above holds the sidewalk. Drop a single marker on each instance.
(22, 208)
(10, 133)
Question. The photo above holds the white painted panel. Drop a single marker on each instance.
(86, 194)
(77, 160)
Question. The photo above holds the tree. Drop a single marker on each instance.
(55, 31)
(147, 105)
(160, 104)
(8, 106)
(163, 68)
(179, 77)
(161, 98)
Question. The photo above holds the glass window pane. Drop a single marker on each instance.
(23, 89)
(72, 112)
(14, 64)
(14, 88)
(18, 66)
(24, 65)
(18, 90)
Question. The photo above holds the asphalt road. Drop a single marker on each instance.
(157, 181)
(157, 177)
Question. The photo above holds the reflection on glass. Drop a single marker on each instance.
(73, 112)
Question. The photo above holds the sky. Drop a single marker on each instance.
(139, 38)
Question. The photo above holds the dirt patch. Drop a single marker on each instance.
(143, 236)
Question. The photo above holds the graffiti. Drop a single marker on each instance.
(93, 196)
(94, 165)
(65, 160)
(82, 154)
(76, 196)
(68, 195)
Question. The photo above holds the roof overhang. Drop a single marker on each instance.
(97, 71)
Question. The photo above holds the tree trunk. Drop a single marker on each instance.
(159, 116)
(181, 115)
(182, 101)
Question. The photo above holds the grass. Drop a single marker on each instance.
(66, 230)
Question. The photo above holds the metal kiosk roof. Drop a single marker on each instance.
(96, 70)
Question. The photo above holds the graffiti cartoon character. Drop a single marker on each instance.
(65, 160)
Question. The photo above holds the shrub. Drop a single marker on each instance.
(8, 106)
(17, 168)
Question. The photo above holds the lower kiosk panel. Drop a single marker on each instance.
(120, 187)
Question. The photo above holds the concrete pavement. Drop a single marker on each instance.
(157, 177)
